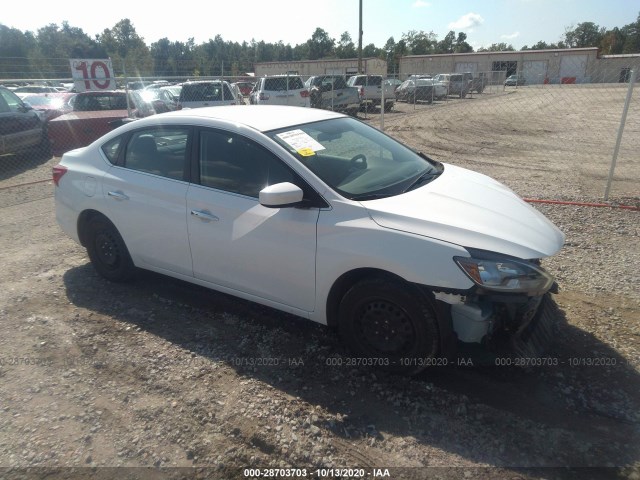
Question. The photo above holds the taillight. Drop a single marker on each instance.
(57, 172)
(304, 93)
(361, 92)
(264, 96)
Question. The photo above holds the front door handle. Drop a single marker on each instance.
(204, 215)
(118, 195)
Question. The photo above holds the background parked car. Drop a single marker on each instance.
(394, 82)
(51, 105)
(420, 89)
(206, 93)
(161, 100)
(514, 80)
(332, 93)
(280, 90)
(459, 85)
(174, 91)
(237, 93)
(444, 79)
(22, 130)
(29, 89)
(245, 88)
(372, 86)
(94, 114)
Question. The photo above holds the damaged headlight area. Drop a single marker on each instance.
(508, 305)
(496, 273)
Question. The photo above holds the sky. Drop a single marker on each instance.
(515, 22)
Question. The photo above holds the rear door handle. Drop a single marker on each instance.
(204, 215)
(118, 195)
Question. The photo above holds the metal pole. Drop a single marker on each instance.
(616, 150)
(126, 89)
(382, 105)
(360, 40)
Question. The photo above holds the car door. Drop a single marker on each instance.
(20, 126)
(146, 197)
(236, 243)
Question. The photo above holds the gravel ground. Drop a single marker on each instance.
(192, 383)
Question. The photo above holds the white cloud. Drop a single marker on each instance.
(420, 4)
(510, 36)
(467, 22)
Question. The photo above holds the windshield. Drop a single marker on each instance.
(356, 160)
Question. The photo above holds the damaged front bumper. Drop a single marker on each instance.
(514, 325)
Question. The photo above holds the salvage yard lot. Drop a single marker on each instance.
(160, 373)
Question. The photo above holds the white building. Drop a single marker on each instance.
(332, 66)
(569, 65)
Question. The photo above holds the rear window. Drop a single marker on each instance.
(363, 81)
(95, 103)
(205, 92)
(283, 83)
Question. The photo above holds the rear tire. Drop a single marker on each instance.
(389, 325)
(108, 253)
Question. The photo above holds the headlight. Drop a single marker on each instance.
(503, 274)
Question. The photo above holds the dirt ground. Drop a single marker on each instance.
(98, 378)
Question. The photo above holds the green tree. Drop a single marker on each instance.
(56, 45)
(447, 44)
(125, 47)
(497, 47)
(15, 48)
(632, 37)
(346, 48)
(541, 45)
(586, 34)
(613, 41)
(371, 51)
(320, 45)
(461, 45)
(420, 42)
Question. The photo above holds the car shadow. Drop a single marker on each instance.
(564, 415)
(12, 165)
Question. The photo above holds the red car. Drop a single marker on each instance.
(93, 115)
(245, 88)
(52, 105)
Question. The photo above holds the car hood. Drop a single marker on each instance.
(470, 210)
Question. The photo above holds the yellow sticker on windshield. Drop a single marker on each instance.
(301, 142)
(306, 152)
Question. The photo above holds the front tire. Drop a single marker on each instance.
(108, 253)
(389, 324)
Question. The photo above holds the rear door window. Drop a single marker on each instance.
(159, 151)
(278, 84)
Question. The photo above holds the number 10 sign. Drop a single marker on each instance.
(92, 74)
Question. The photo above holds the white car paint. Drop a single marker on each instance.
(290, 258)
(470, 209)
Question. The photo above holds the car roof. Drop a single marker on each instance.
(259, 117)
(201, 82)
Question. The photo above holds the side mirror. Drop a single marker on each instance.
(280, 195)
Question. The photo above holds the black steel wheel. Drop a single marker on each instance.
(389, 324)
(108, 252)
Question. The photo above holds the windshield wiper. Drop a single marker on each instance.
(438, 165)
(370, 196)
(421, 180)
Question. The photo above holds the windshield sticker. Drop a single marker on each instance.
(301, 142)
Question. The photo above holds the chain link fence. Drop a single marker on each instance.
(565, 131)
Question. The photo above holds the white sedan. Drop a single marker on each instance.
(319, 215)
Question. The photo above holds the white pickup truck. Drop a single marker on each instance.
(372, 86)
